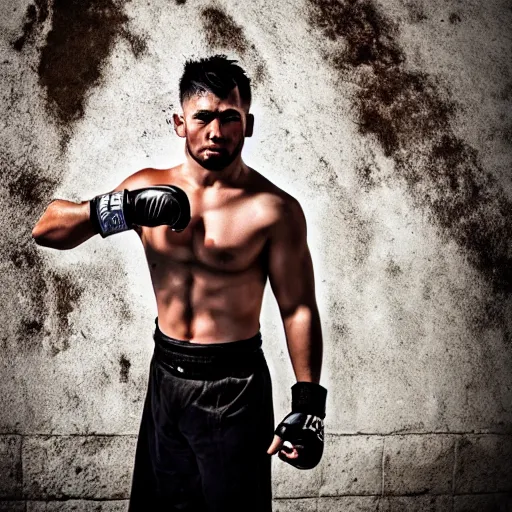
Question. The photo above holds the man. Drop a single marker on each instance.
(213, 230)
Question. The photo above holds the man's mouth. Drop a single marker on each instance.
(214, 149)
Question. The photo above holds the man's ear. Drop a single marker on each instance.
(249, 126)
(179, 125)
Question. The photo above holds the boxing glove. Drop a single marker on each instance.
(152, 206)
(304, 426)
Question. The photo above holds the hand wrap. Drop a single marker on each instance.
(107, 213)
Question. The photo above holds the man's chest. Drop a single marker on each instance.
(226, 235)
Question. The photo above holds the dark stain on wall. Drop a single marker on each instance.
(224, 33)
(454, 18)
(82, 37)
(124, 372)
(410, 114)
(506, 92)
(393, 269)
(368, 176)
(31, 186)
(415, 11)
(137, 43)
(47, 293)
(28, 187)
(66, 293)
(35, 16)
(28, 263)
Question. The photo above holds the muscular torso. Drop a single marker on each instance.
(209, 279)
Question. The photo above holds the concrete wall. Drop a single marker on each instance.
(389, 121)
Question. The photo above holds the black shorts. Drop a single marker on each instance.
(206, 426)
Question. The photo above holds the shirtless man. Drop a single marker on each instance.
(213, 230)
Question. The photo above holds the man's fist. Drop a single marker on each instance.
(300, 436)
(152, 206)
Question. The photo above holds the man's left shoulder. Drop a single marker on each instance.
(275, 197)
(282, 212)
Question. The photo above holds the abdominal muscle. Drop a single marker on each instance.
(206, 305)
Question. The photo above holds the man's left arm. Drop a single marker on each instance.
(293, 284)
(292, 280)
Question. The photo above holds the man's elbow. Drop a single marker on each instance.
(43, 238)
(39, 235)
(41, 230)
(44, 241)
(297, 312)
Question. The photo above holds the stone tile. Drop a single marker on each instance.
(92, 467)
(12, 506)
(289, 482)
(77, 506)
(295, 505)
(418, 464)
(484, 464)
(10, 467)
(499, 502)
(352, 465)
(415, 504)
(348, 504)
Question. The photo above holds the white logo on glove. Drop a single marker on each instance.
(315, 424)
(110, 209)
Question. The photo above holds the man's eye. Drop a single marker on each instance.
(229, 119)
(203, 118)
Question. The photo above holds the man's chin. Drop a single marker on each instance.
(215, 163)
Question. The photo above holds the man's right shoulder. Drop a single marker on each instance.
(148, 177)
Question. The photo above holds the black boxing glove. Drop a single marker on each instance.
(304, 426)
(152, 206)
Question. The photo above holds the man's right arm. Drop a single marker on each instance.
(65, 224)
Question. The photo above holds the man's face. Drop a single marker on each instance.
(214, 128)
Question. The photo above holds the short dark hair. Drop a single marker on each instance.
(218, 75)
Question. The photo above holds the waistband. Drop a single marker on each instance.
(204, 361)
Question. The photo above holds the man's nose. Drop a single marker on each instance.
(215, 131)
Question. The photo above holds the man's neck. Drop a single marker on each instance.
(230, 176)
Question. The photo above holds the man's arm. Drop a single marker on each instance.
(65, 224)
(292, 280)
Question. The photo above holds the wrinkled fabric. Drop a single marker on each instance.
(202, 441)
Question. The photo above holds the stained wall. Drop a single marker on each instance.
(389, 122)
